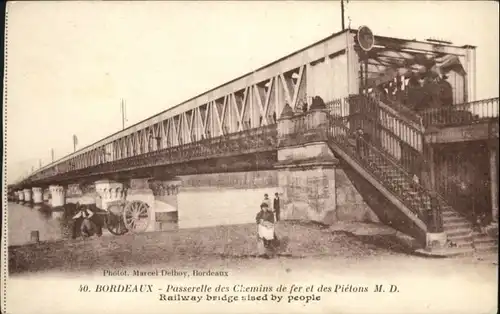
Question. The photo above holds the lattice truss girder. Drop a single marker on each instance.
(251, 107)
(384, 64)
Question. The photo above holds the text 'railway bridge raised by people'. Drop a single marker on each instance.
(353, 127)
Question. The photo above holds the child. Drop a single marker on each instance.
(267, 201)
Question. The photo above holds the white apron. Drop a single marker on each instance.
(266, 230)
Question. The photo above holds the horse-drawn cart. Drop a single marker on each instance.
(123, 216)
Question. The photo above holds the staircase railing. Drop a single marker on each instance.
(397, 105)
(388, 173)
(401, 142)
(401, 139)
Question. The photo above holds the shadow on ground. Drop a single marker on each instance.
(386, 241)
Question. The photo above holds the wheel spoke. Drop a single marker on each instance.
(136, 216)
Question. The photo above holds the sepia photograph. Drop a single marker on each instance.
(250, 157)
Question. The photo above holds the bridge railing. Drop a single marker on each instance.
(302, 128)
(466, 113)
(210, 147)
(247, 141)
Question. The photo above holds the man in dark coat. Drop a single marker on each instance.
(276, 206)
(446, 92)
(86, 221)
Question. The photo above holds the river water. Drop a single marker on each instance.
(198, 207)
(23, 219)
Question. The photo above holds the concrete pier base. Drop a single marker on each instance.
(435, 240)
(109, 191)
(46, 195)
(27, 195)
(84, 194)
(20, 196)
(58, 196)
(57, 214)
(37, 196)
(309, 192)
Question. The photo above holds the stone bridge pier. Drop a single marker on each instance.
(109, 191)
(20, 196)
(46, 195)
(37, 195)
(165, 203)
(82, 193)
(160, 196)
(314, 186)
(57, 201)
(27, 195)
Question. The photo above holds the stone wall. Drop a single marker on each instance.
(322, 194)
(223, 198)
(231, 180)
(87, 198)
(308, 194)
(73, 191)
(351, 205)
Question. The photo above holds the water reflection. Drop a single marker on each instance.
(24, 218)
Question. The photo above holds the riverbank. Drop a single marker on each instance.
(232, 241)
(193, 246)
(357, 255)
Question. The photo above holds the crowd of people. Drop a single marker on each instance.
(422, 91)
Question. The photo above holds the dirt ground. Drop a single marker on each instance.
(314, 254)
(205, 246)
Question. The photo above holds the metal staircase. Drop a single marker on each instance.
(397, 175)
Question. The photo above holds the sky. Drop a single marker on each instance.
(70, 63)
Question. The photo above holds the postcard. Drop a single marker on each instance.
(250, 157)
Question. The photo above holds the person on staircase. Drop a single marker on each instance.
(361, 143)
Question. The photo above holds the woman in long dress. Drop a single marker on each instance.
(265, 228)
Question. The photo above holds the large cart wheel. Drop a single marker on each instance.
(136, 216)
(114, 221)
